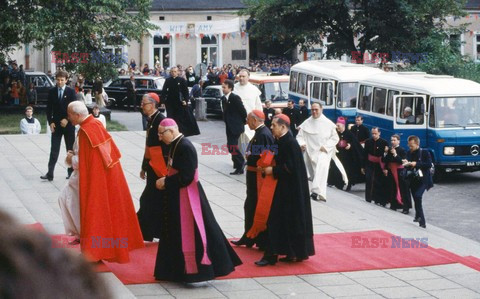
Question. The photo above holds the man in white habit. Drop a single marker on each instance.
(69, 199)
(250, 96)
(317, 136)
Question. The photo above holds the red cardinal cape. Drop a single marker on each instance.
(266, 185)
(109, 225)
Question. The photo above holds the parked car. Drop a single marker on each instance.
(117, 90)
(42, 84)
(213, 95)
(273, 87)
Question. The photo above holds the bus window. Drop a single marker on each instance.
(379, 95)
(365, 98)
(411, 111)
(456, 112)
(309, 78)
(347, 95)
(316, 89)
(391, 93)
(302, 84)
(293, 81)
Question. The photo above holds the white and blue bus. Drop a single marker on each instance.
(333, 82)
(442, 110)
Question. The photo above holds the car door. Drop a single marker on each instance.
(117, 90)
(42, 86)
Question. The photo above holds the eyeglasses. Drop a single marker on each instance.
(145, 103)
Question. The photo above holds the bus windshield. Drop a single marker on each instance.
(276, 91)
(455, 112)
(347, 95)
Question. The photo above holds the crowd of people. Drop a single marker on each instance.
(13, 86)
(280, 151)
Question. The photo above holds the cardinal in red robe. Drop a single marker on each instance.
(109, 225)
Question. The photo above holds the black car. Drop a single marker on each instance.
(42, 84)
(212, 95)
(117, 89)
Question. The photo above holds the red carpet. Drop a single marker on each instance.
(335, 252)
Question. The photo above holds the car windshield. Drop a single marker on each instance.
(455, 112)
(211, 92)
(347, 95)
(276, 91)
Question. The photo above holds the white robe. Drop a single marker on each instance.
(69, 199)
(250, 96)
(316, 133)
(28, 128)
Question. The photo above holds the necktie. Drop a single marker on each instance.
(60, 93)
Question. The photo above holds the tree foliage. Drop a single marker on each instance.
(72, 26)
(378, 25)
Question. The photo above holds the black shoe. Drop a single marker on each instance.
(349, 187)
(68, 176)
(406, 212)
(287, 259)
(265, 261)
(416, 219)
(243, 241)
(236, 172)
(46, 177)
(423, 225)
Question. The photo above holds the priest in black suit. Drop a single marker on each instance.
(261, 141)
(192, 246)
(294, 116)
(153, 168)
(58, 99)
(289, 223)
(175, 96)
(235, 116)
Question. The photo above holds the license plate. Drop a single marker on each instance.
(477, 163)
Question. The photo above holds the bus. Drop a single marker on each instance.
(273, 87)
(333, 82)
(443, 111)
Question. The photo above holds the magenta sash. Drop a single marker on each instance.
(393, 167)
(375, 159)
(191, 214)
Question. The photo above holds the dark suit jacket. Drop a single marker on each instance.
(424, 162)
(56, 108)
(234, 114)
(130, 88)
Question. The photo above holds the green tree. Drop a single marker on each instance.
(72, 26)
(379, 25)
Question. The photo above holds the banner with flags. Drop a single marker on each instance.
(186, 29)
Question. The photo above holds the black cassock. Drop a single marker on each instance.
(289, 226)
(170, 263)
(262, 140)
(375, 180)
(392, 185)
(360, 132)
(175, 90)
(352, 161)
(150, 205)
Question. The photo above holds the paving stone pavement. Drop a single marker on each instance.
(24, 158)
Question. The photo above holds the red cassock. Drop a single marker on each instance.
(109, 225)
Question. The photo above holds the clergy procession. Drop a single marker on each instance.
(286, 167)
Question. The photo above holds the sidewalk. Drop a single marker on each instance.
(24, 158)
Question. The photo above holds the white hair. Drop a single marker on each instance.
(79, 108)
